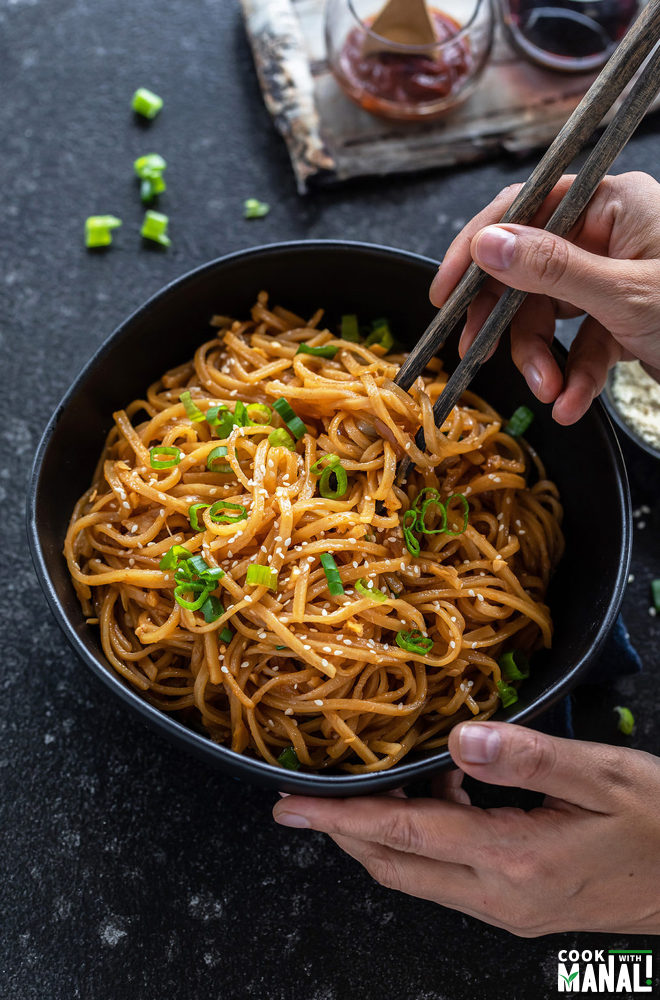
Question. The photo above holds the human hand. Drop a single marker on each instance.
(607, 267)
(588, 859)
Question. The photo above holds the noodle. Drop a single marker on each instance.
(303, 668)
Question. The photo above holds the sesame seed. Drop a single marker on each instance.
(325, 663)
(319, 702)
(288, 711)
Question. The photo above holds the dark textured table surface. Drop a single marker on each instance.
(132, 871)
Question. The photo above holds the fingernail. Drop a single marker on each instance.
(292, 819)
(283, 795)
(479, 744)
(495, 247)
(533, 377)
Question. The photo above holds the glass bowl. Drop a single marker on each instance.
(409, 82)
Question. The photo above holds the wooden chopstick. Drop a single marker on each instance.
(613, 140)
(615, 75)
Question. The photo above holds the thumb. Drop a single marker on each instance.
(537, 261)
(502, 753)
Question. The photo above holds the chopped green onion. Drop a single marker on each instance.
(341, 481)
(281, 647)
(280, 438)
(198, 566)
(212, 608)
(174, 457)
(324, 462)
(193, 511)
(655, 593)
(221, 420)
(146, 103)
(149, 165)
(218, 518)
(380, 334)
(367, 590)
(193, 411)
(186, 588)
(154, 227)
(256, 410)
(466, 512)
(408, 523)
(255, 209)
(414, 642)
(327, 351)
(150, 187)
(508, 694)
(293, 422)
(335, 586)
(173, 556)
(421, 517)
(98, 230)
(219, 452)
(226, 635)
(626, 723)
(419, 499)
(519, 422)
(514, 666)
(350, 329)
(240, 414)
(289, 759)
(261, 576)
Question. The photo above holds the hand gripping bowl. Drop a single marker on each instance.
(584, 460)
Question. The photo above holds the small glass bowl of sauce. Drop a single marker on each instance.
(409, 82)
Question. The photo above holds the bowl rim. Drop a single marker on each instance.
(216, 754)
(615, 414)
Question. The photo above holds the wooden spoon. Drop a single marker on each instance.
(405, 22)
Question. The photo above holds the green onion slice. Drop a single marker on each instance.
(186, 588)
(193, 411)
(149, 166)
(519, 422)
(146, 103)
(466, 512)
(173, 457)
(365, 590)
(212, 608)
(218, 518)
(327, 351)
(293, 422)
(280, 438)
(154, 227)
(174, 556)
(626, 723)
(193, 512)
(350, 329)
(241, 414)
(221, 420)
(226, 635)
(414, 642)
(98, 230)
(335, 586)
(324, 462)
(408, 523)
(289, 759)
(212, 460)
(255, 411)
(261, 576)
(514, 665)
(508, 694)
(380, 334)
(655, 593)
(421, 518)
(419, 499)
(255, 209)
(341, 482)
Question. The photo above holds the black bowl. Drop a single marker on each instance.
(584, 460)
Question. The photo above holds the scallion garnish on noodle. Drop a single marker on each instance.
(289, 759)
(212, 609)
(328, 351)
(261, 576)
(324, 462)
(519, 422)
(226, 635)
(216, 515)
(338, 473)
(279, 438)
(193, 411)
(514, 665)
(172, 457)
(290, 418)
(414, 641)
(508, 695)
(193, 515)
(368, 590)
(213, 460)
(335, 586)
(173, 556)
(381, 335)
(350, 329)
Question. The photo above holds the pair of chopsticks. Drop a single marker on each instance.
(638, 44)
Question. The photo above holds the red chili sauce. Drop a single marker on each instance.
(406, 78)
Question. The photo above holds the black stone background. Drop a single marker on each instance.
(132, 871)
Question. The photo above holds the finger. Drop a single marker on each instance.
(536, 261)
(532, 332)
(448, 786)
(428, 827)
(592, 354)
(588, 774)
(456, 886)
(477, 315)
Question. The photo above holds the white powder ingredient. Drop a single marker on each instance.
(637, 397)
